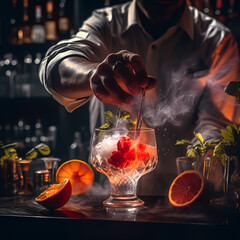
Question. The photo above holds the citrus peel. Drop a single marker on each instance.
(186, 188)
(56, 196)
(79, 173)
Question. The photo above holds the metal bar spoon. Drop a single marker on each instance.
(139, 114)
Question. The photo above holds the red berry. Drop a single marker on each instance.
(130, 155)
(124, 144)
(141, 146)
(116, 159)
(143, 156)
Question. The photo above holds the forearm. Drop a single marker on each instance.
(71, 77)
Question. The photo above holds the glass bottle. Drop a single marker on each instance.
(235, 177)
(233, 18)
(38, 30)
(77, 150)
(25, 84)
(12, 176)
(198, 4)
(63, 21)
(220, 14)
(50, 23)
(207, 8)
(52, 136)
(37, 89)
(5, 73)
(13, 33)
(233, 11)
(26, 27)
(38, 133)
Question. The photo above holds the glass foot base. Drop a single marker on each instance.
(123, 202)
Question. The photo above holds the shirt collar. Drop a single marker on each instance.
(185, 22)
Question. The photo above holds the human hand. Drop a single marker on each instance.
(120, 77)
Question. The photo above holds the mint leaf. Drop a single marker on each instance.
(199, 149)
(227, 135)
(219, 151)
(33, 153)
(43, 149)
(199, 137)
(106, 126)
(212, 144)
(230, 133)
(10, 153)
(9, 145)
(191, 152)
(124, 115)
(183, 141)
(232, 88)
(108, 116)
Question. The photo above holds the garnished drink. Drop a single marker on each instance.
(124, 159)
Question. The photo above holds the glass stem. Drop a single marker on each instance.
(26, 181)
(127, 187)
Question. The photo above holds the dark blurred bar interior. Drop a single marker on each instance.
(29, 114)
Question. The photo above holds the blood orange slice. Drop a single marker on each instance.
(79, 173)
(56, 195)
(186, 188)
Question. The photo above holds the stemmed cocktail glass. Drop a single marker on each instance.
(123, 158)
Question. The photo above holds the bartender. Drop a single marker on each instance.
(182, 57)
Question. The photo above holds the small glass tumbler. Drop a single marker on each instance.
(186, 163)
(12, 175)
(25, 164)
(42, 181)
(51, 164)
(217, 173)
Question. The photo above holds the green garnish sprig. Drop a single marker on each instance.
(111, 120)
(40, 148)
(9, 151)
(233, 89)
(230, 146)
(199, 149)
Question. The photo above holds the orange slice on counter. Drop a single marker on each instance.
(186, 188)
(56, 196)
(79, 173)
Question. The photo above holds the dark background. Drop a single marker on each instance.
(42, 107)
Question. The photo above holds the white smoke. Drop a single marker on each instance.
(182, 92)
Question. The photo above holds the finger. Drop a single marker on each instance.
(97, 86)
(100, 91)
(111, 85)
(113, 58)
(128, 77)
(109, 82)
(152, 82)
(139, 68)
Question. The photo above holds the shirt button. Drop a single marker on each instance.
(153, 47)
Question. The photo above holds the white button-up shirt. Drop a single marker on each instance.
(192, 62)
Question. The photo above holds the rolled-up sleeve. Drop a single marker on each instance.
(89, 43)
(216, 108)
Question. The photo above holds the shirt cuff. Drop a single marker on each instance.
(69, 103)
